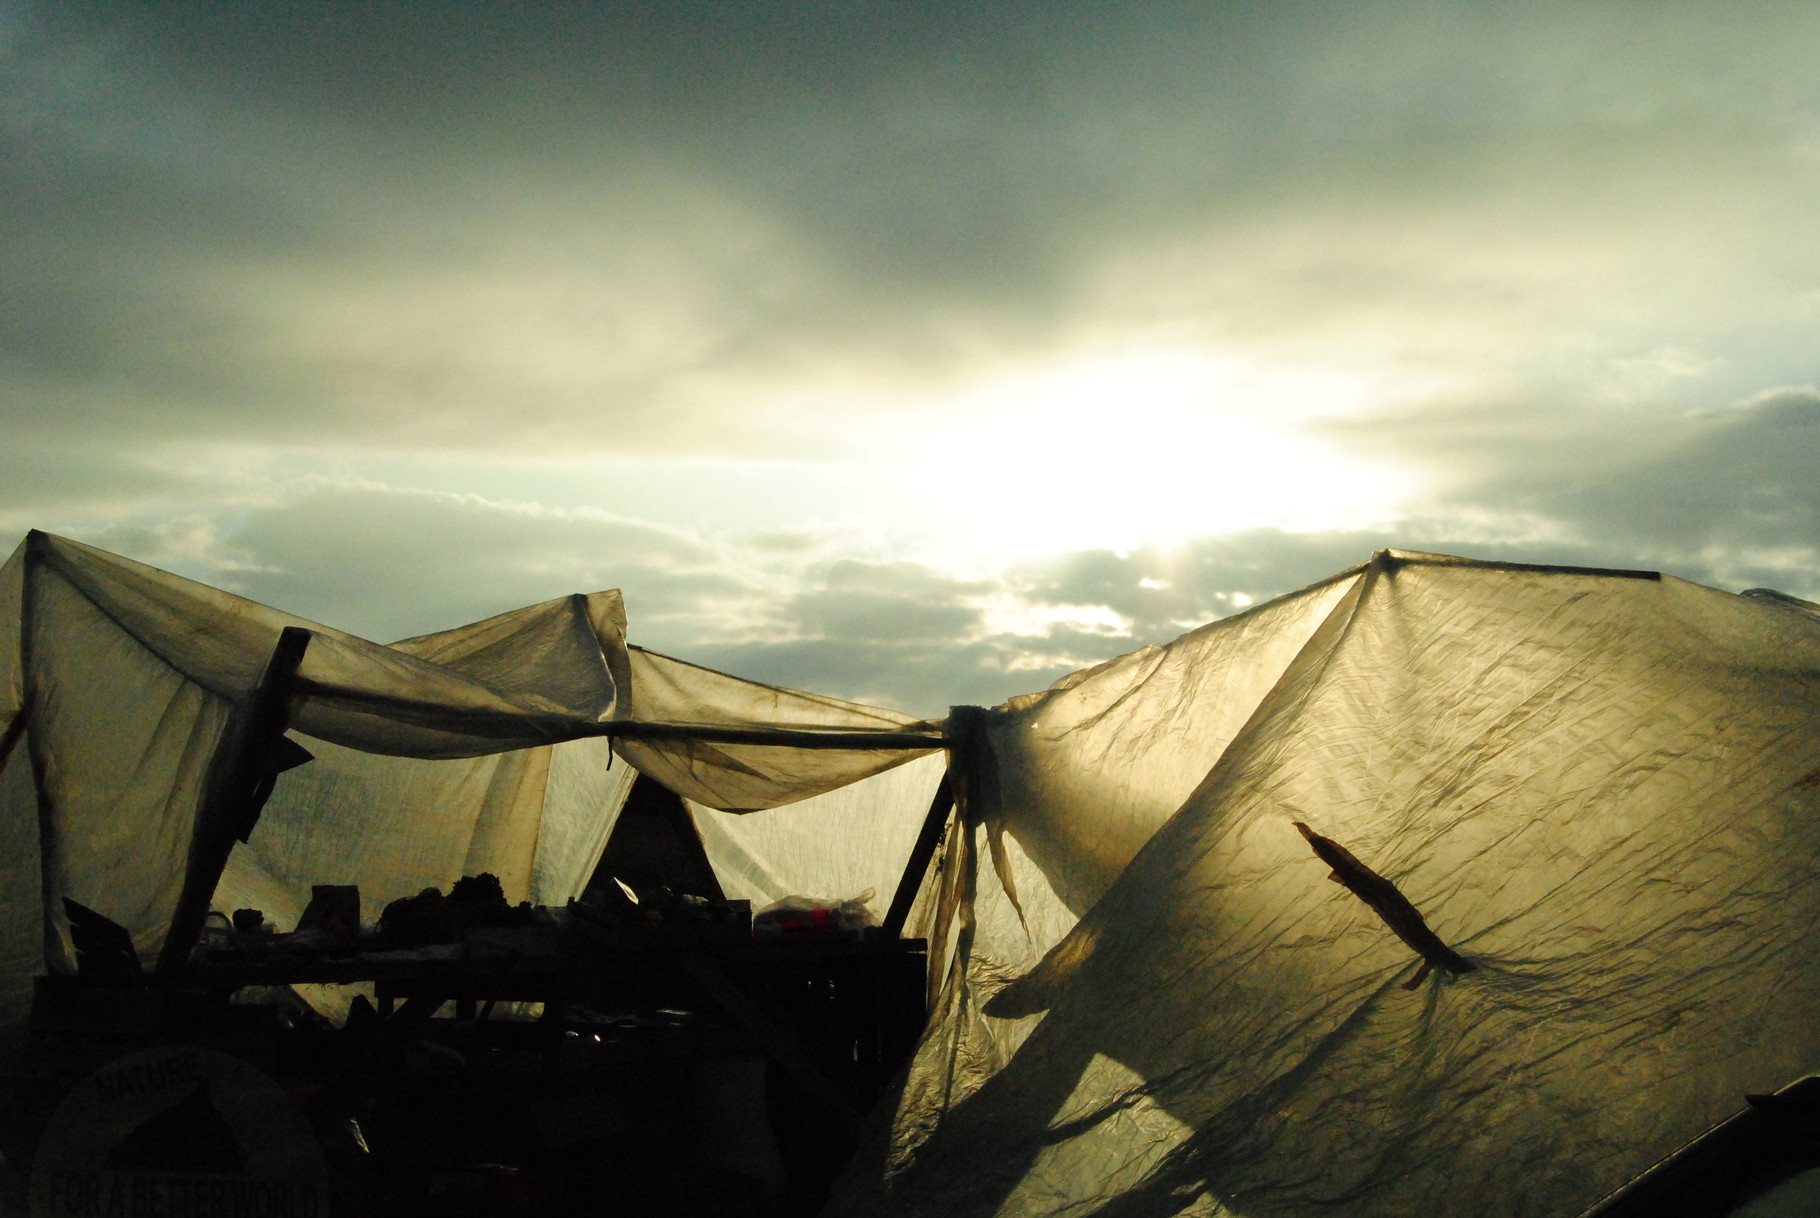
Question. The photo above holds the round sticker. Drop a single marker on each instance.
(178, 1132)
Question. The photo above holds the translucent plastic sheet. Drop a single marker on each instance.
(536, 818)
(747, 777)
(475, 749)
(1088, 770)
(1603, 791)
(123, 743)
(554, 649)
(841, 844)
(398, 700)
(587, 788)
(137, 673)
(12, 666)
(21, 922)
(1080, 777)
(21, 902)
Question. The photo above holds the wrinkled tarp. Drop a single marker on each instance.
(843, 844)
(474, 749)
(747, 777)
(1600, 788)
(1604, 791)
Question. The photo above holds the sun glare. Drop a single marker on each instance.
(1151, 450)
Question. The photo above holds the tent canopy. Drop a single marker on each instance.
(1600, 788)
(128, 694)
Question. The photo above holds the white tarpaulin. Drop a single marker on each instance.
(1604, 791)
(477, 749)
(1596, 794)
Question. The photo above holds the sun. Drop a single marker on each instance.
(1151, 449)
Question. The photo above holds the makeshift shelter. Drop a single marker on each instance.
(1601, 788)
(143, 729)
(1595, 793)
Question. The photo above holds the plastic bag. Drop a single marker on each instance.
(816, 917)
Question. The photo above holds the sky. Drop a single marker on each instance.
(914, 353)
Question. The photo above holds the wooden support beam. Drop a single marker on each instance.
(969, 758)
(779, 737)
(252, 752)
(934, 824)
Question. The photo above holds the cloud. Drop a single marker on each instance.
(904, 635)
(1742, 474)
(702, 228)
(1163, 592)
(387, 562)
(896, 602)
(1559, 260)
(1719, 492)
(47, 483)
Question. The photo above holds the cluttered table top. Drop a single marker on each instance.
(472, 931)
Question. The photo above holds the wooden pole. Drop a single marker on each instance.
(934, 822)
(960, 785)
(794, 738)
(52, 868)
(241, 775)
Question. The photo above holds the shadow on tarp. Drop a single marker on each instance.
(1273, 1061)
